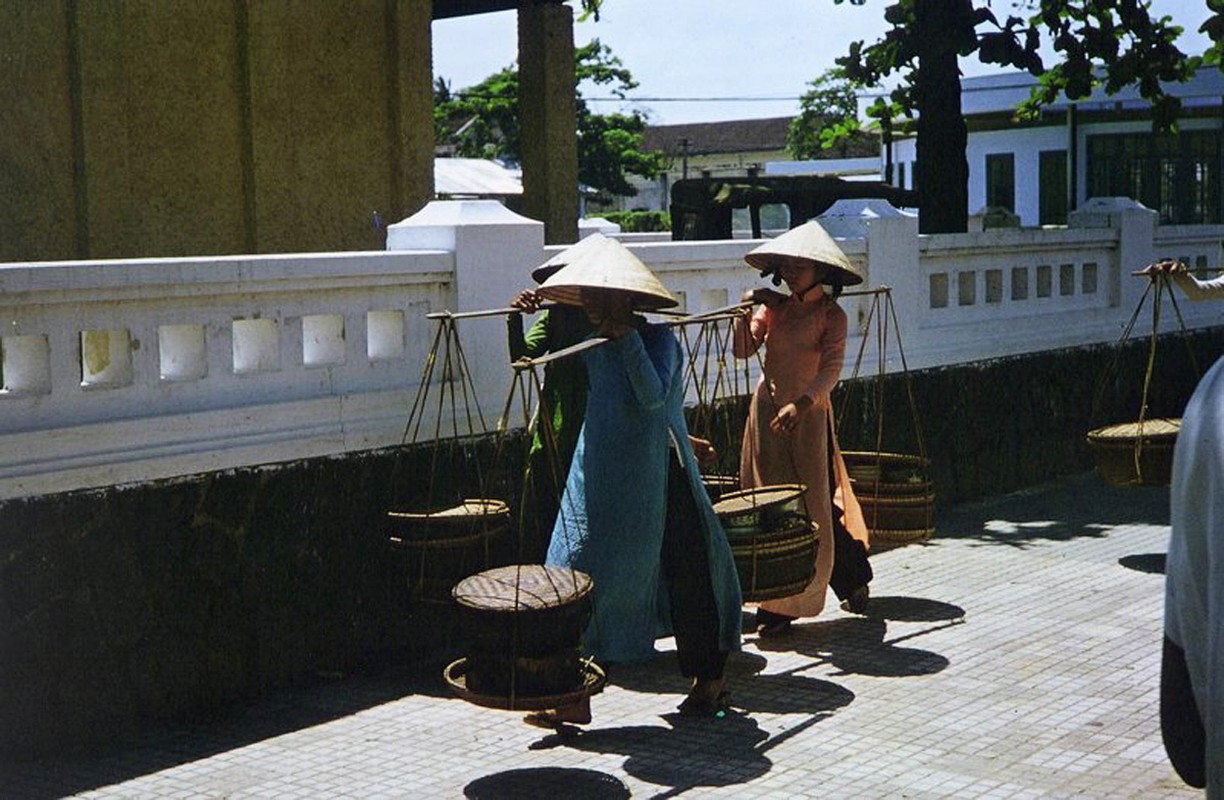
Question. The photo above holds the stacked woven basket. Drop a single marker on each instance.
(896, 494)
(772, 540)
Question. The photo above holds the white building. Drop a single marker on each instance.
(1102, 146)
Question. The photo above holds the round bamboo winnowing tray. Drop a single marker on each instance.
(891, 469)
(593, 681)
(1135, 453)
(470, 521)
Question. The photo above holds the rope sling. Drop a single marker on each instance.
(894, 489)
(1139, 453)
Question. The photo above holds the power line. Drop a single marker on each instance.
(479, 96)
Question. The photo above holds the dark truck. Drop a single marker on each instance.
(701, 207)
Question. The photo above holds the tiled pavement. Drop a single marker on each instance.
(1015, 655)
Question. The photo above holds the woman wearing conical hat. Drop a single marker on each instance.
(563, 397)
(635, 515)
(789, 437)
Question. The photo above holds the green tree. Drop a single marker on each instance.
(1114, 43)
(828, 116)
(482, 122)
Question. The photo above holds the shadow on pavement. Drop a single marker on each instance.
(856, 646)
(1153, 563)
(163, 746)
(912, 609)
(1080, 506)
(546, 783)
(689, 752)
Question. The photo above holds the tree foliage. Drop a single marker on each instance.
(483, 122)
(1107, 43)
(828, 116)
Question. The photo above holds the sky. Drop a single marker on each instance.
(718, 49)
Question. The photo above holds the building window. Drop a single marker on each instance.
(1001, 181)
(1052, 187)
(1178, 176)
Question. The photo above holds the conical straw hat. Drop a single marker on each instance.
(541, 273)
(607, 264)
(806, 245)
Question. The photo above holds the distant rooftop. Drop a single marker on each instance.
(731, 136)
(739, 136)
(991, 94)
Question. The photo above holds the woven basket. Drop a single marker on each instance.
(718, 485)
(436, 549)
(774, 563)
(896, 495)
(906, 512)
(763, 508)
(1135, 453)
(885, 539)
(533, 611)
(900, 469)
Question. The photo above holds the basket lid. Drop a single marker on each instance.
(762, 496)
(467, 510)
(1158, 428)
(522, 587)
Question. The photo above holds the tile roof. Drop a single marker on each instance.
(731, 136)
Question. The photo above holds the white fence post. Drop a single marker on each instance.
(1136, 226)
(892, 254)
(495, 251)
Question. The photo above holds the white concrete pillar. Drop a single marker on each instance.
(1136, 226)
(892, 256)
(494, 252)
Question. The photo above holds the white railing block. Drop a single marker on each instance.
(194, 364)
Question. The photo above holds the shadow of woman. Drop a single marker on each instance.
(689, 752)
(1152, 563)
(856, 646)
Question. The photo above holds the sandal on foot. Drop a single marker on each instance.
(857, 601)
(774, 629)
(549, 720)
(704, 707)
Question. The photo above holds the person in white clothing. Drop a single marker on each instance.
(1192, 666)
(1195, 288)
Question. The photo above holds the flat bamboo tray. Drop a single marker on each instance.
(594, 680)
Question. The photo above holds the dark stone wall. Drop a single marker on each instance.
(164, 601)
(996, 426)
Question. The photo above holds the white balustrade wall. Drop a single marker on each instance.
(114, 372)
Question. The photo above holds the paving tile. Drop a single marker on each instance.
(1015, 655)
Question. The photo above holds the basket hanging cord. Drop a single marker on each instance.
(1162, 287)
(908, 377)
(713, 346)
(1112, 366)
(553, 457)
(882, 320)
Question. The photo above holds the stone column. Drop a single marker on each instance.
(546, 113)
(412, 154)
